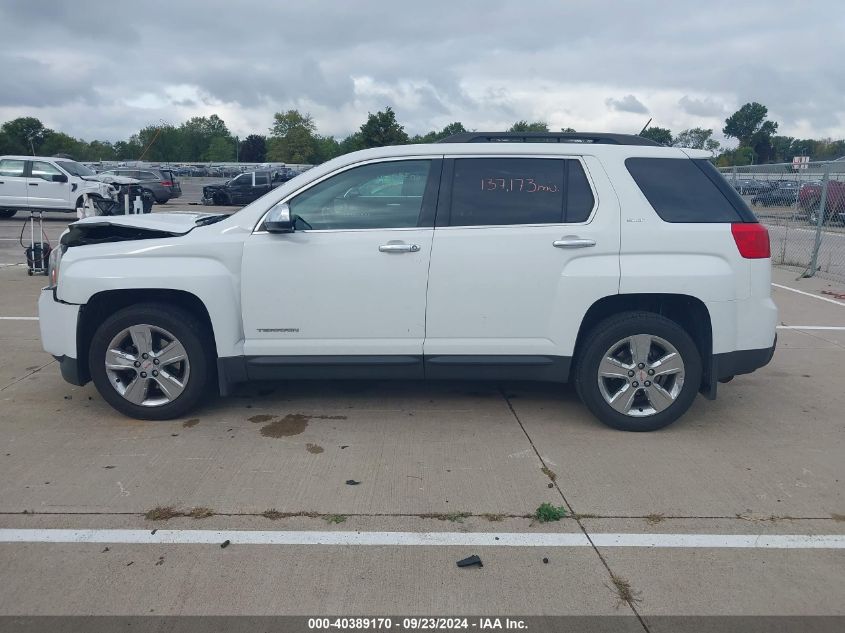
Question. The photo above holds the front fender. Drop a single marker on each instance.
(209, 279)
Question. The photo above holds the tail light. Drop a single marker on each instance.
(167, 183)
(752, 240)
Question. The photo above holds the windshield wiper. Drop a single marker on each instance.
(211, 219)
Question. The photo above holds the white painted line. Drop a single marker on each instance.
(467, 539)
(811, 327)
(809, 294)
(2, 318)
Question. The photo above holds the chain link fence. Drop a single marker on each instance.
(788, 198)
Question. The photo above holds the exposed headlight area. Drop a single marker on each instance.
(54, 264)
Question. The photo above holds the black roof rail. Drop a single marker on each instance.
(549, 137)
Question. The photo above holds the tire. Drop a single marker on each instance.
(652, 406)
(155, 398)
(221, 198)
(7, 213)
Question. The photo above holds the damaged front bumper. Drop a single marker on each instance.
(57, 322)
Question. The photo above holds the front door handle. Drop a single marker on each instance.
(573, 241)
(398, 248)
(33, 184)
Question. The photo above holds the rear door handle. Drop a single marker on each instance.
(398, 248)
(573, 241)
(33, 184)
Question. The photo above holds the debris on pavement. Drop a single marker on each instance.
(352, 482)
(470, 561)
(225, 544)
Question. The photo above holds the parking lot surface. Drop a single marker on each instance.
(737, 509)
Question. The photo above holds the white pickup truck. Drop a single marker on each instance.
(39, 183)
(633, 270)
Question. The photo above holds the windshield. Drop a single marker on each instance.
(74, 168)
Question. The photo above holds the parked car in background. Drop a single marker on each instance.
(782, 194)
(161, 184)
(243, 189)
(750, 187)
(284, 174)
(468, 260)
(40, 183)
(810, 199)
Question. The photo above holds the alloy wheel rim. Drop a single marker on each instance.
(147, 365)
(641, 375)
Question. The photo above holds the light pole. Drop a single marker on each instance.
(237, 160)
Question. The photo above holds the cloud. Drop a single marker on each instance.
(628, 103)
(98, 75)
(702, 107)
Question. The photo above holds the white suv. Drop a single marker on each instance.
(631, 269)
(40, 183)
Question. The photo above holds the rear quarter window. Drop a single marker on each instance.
(687, 190)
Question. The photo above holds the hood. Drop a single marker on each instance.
(120, 228)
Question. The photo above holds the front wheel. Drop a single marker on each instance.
(638, 371)
(151, 362)
(7, 213)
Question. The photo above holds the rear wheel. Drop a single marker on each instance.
(151, 362)
(638, 371)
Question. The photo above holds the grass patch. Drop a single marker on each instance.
(547, 512)
(838, 517)
(548, 472)
(162, 513)
(654, 518)
(335, 518)
(495, 518)
(585, 516)
(454, 517)
(200, 513)
(275, 515)
(623, 590)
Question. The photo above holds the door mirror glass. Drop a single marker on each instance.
(59, 178)
(280, 219)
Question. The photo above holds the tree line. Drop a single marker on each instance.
(294, 138)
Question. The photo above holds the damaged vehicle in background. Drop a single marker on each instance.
(160, 184)
(243, 189)
(40, 183)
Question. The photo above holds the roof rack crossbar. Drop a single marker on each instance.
(549, 137)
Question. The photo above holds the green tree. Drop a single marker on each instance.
(432, 137)
(382, 129)
(221, 149)
(568, 130)
(292, 138)
(196, 135)
(525, 126)
(253, 149)
(61, 143)
(159, 143)
(660, 135)
(326, 148)
(24, 135)
(736, 157)
(697, 138)
(749, 123)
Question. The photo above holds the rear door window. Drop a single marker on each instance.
(685, 190)
(11, 167)
(503, 191)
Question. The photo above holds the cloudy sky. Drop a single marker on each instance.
(105, 69)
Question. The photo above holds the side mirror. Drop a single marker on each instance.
(280, 219)
(59, 178)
